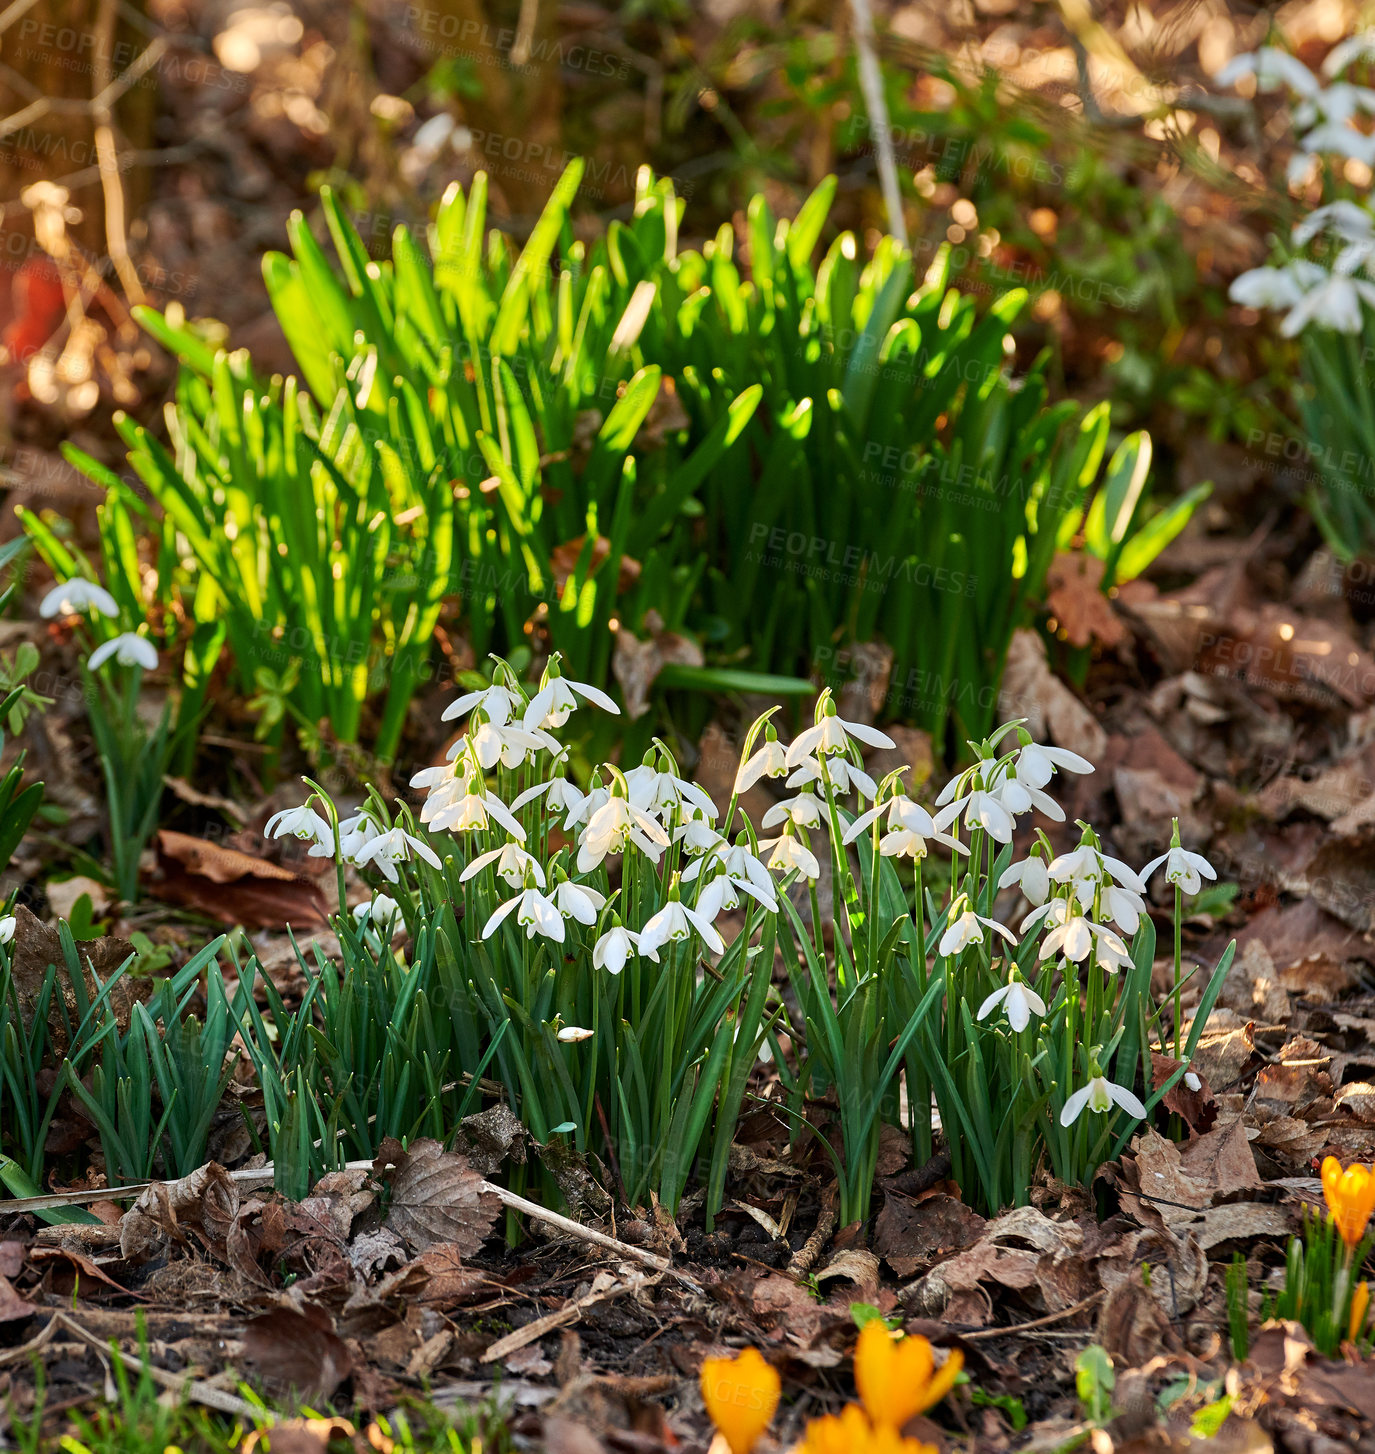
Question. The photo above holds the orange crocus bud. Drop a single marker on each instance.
(1360, 1305)
(897, 1379)
(1350, 1195)
(741, 1395)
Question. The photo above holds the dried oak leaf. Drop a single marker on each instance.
(437, 1196)
(297, 1351)
(1075, 598)
(234, 887)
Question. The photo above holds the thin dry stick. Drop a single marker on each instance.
(107, 156)
(983, 1334)
(871, 83)
(193, 1388)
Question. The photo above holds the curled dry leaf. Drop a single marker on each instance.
(437, 1196)
(564, 559)
(207, 1198)
(232, 886)
(1197, 1108)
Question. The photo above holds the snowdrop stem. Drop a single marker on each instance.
(1178, 969)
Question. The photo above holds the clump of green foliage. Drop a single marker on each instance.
(568, 443)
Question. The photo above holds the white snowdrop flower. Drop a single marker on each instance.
(577, 901)
(1334, 303)
(1100, 1095)
(1272, 69)
(844, 775)
(561, 794)
(76, 596)
(1338, 139)
(459, 803)
(1020, 1002)
(790, 852)
(616, 823)
(803, 811)
(572, 1034)
(1122, 906)
(558, 697)
(967, 927)
(1088, 862)
(510, 746)
(769, 761)
(740, 868)
(1036, 765)
(379, 911)
(128, 649)
(304, 823)
(664, 792)
(535, 913)
(1354, 48)
(1275, 287)
(392, 847)
(1183, 869)
(1192, 1082)
(911, 827)
(7, 927)
(513, 863)
(675, 922)
(616, 946)
(354, 832)
(1109, 952)
(981, 809)
(697, 835)
(500, 703)
(1030, 876)
(1335, 105)
(831, 734)
(1069, 933)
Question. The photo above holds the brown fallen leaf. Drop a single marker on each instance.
(436, 1197)
(1074, 597)
(1032, 691)
(909, 1234)
(637, 663)
(563, 560)
(1196, 1108)
(13, 1308)
(37, 946)
(232, 886)
(207, 1198)
(301, 1436)
(11, 1258)
(297, 1351)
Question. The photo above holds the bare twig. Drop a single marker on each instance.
(194, 1389)
(983, 1334)
(107, 156)
(871, 83)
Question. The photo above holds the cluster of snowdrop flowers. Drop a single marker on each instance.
(1327, 106)
(1324, 117)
